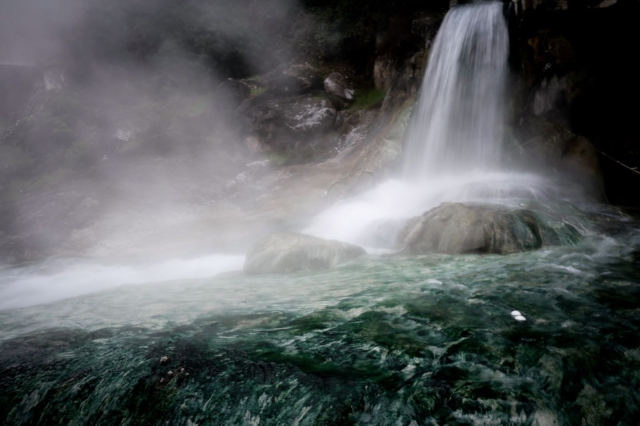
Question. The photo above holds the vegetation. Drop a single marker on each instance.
(365, 99)
(257, 91)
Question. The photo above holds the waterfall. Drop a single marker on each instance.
(453, 144)
(458, 123)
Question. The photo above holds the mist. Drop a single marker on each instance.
(268, 212)
(119, 126)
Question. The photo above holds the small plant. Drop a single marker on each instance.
(368, 99)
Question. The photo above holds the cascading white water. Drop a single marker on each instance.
(458, 122)
(453, 145)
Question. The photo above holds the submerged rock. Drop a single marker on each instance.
(455, 228)
(293, 252)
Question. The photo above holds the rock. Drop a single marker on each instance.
(381, 153)
(170, 373)
(339, 90)
(549, 144)
(231, 93)
(580, 162)
(281, 253)
(283, 124)
(164, 360)
(548, 95)
(297, 79)
(383, 72)
(54, 79)
(454, 228)
(309, 115)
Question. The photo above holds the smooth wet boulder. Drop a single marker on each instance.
(454, 228)
(288, 252)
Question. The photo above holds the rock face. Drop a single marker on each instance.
(232, 93)
(383, 72)
(577, 81)
(297, 79)
(339, 90)
(280, 253)
(283, 124)
(481, 228)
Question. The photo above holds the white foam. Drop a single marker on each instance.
(354, 220)
(28, 287)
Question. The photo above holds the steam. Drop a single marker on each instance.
(27, 287)
(124, 130)
(29, 29)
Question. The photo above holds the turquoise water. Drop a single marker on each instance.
(383, 340)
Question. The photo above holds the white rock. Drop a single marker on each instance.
(516, 314)
(520, 318)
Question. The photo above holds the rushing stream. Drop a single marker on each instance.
(548, 337)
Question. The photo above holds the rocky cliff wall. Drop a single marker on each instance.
(577, 89)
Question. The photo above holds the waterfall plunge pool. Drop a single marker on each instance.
(383, 340)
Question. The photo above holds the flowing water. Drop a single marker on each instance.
(453, 143)
(419, 340)
(459, 119)
(547, 337)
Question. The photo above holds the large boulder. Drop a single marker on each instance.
(454, 228)
(339, 90)
(280, 253)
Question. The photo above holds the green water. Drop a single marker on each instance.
(388, 341)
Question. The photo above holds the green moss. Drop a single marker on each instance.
(257, 91)
(277, 158)
(368, 99)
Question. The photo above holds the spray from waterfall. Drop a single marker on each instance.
(453, 144)
(458, 122)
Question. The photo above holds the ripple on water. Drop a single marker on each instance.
(390, 339)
